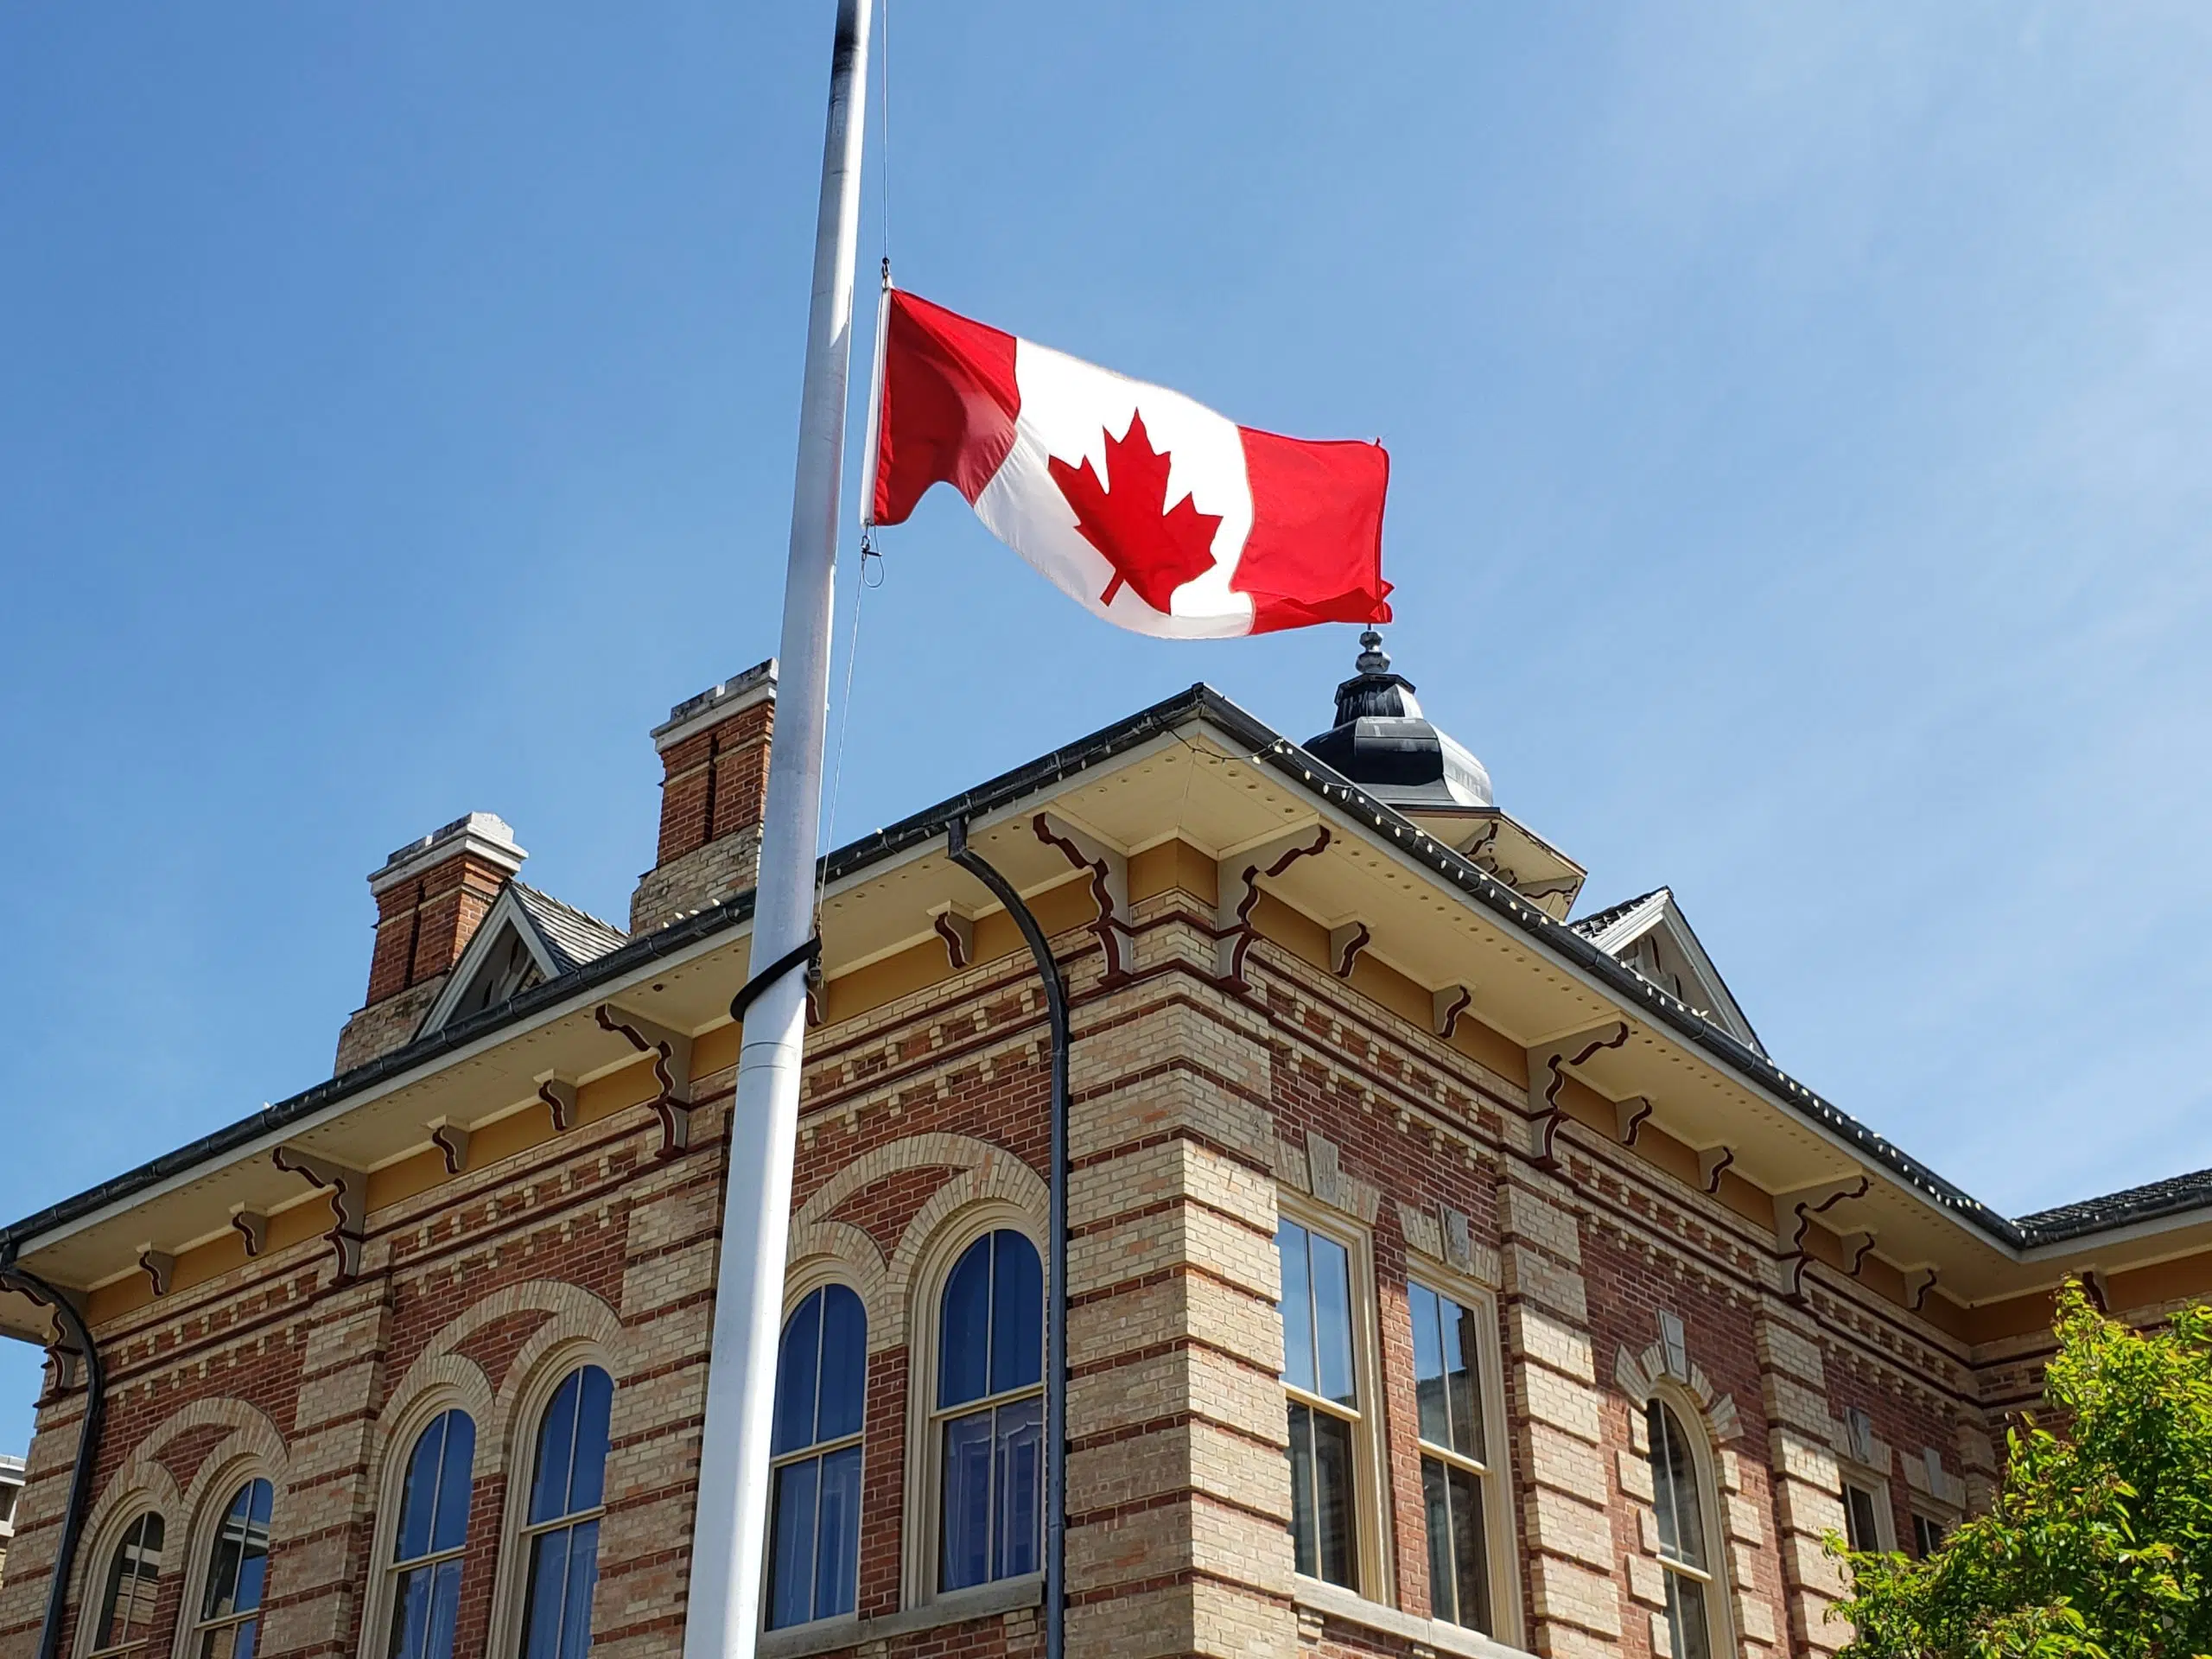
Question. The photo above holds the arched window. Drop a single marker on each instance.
(989, 1418)
(1685, 1544)
(238, 1570)
(426, 1550)
(134, 1576)
(814, 1525)
(568, 1489)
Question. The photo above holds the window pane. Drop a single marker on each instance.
(548, 1584)
(556, 1442)
(418, 1498)
(1304, 1530)
(133, 1580)
(1332, 1320)
(1471, 1555)
(790, 1544)
(1443, 1578)
(1297, 1307)
(1674, 1477)
(410, 1614)
(1859, 1519)
(1428, 1366)
(965, 1525)
(795, 1377)
(588, 1480)
(1333, 1496)
(1927, 1536)
(1019, 1477)
(583, 1577)
(1459, 1352)
(837, 1548)
(454, 1481)
(963, 1338)
(1017, 1315)
(844, 1364)
(445, 1611)
(230, 1641)
(240, 1556)
(1685, 1619)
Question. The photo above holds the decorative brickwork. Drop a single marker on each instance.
(1599, 1274)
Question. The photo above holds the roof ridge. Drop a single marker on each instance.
(1613, 912)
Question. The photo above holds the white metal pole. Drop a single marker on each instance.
(723, 1612)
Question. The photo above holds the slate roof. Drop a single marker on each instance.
(571, 937)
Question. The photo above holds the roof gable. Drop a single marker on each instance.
(527, 938)
(1651, 936)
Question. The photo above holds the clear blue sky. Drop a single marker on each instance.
(1799, 416)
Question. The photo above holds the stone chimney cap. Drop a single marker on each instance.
(485, 835)
(716, 703)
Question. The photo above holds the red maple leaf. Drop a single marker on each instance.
(1154, 551)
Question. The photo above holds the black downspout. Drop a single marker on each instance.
(73, 1326)
(1056, 1272)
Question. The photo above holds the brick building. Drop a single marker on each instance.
(1448, 1275)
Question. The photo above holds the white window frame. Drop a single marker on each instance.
(924, 1456)
(1497, 1497)
(798, 1286)
(110, 1541)
(517, 1459)
(398, 1447)
(1705, 1472)
(199, 1542)
(1876, 1486)
(1371, 1505)
(390, 1571)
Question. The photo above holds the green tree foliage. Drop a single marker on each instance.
(2099, 1543)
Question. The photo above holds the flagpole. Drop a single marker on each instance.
(723, 1600)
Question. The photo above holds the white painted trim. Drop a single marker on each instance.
(1332, 1601)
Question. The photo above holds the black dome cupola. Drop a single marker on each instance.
(1381, 742)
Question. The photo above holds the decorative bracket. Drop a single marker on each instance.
(1446, 1006)
(671, 1052)
(1917, 1294)
(1712, 1164)
(252, 1226)
(1239, 887)
(2093, 1285)
(1628, 1117)
(559, 1094)
(1856, 1247)
(1549, 1063)
(159, 1267)
(1345, 944)
(957, 929)
(1109, 886)
(452, 1143)
(1793, 1219)
(349, 1201)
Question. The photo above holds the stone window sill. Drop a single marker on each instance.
(833, 1635)
(1332, 1601)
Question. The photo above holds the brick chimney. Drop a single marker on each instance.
(430, 896)
(714, 754)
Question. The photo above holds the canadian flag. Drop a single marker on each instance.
(1146, 508)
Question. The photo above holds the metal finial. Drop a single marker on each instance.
(1373, 659)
